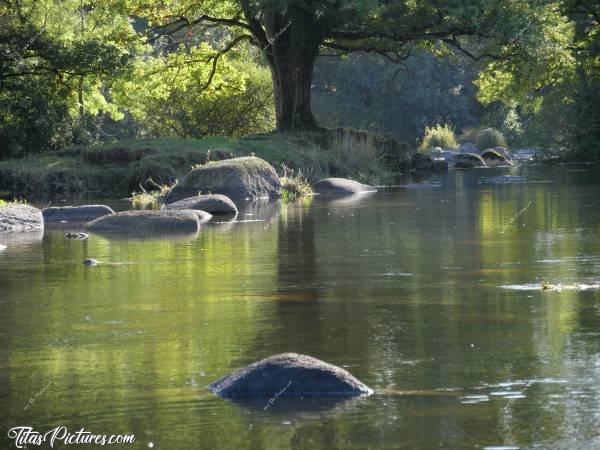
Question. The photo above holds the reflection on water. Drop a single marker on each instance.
(405, 288)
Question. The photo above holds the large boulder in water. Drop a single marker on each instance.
(19, 217)
(341, 186)
(75, 213)
(212, 203)
(289, 374)
(237, 178)
(184, 221)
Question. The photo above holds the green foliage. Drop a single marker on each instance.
(294, 184)
(178, 95)
(152, 198)
(438, 136)
(489, 138)
(369, 92)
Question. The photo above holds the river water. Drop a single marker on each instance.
(433, 296)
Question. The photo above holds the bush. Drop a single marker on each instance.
(489, 138)
(294, 184)
(438, 136)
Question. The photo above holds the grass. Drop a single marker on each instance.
(489, 138)
(150, 199)
(294, 185)
(438, 136)
(122, 168)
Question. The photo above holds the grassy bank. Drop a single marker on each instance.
(119, 169)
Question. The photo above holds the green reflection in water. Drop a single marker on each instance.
(410, 290)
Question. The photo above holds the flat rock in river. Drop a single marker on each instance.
(212, 203)
(238, 178)
(19, 217)
(289, 374)
(165, 221)
(341, 186)
(75, 213)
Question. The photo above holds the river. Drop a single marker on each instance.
(472, 308)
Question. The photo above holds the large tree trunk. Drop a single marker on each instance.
(292, 50)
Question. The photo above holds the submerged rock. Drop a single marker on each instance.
(212, 203)
(75, 213)
(78, 236)
(493, 158)
(19, 217)
(468, 161)
(164, 221)
(289, 374)
(341, 186)
(505, 179)
(421, 185)
(237, 178)
(421, 162)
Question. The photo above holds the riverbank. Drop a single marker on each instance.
(121, 168)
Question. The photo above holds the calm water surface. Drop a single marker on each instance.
(432, 290)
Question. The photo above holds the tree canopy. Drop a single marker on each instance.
(202, 67)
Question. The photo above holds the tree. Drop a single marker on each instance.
(54, 60)
(292, 33)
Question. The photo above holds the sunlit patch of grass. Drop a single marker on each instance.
(19, 201)
(150, 199)
(438, 136)
(294, 184)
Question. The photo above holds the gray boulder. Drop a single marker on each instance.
(184, 221)
(468, 161)
(341, 186)
(212, 203)
(203, 216)
(19, 217)
(237, 178)
(289, 374)
(75, 213)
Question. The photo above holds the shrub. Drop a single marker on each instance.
(438, 136)
(294, 184)
(468, 134)
(489, 138)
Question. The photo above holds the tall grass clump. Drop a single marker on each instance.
(150, 199)
(355, 153)
(489, 138)
(294, 184)
(438, 136)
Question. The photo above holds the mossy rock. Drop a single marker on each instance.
(238, 178)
